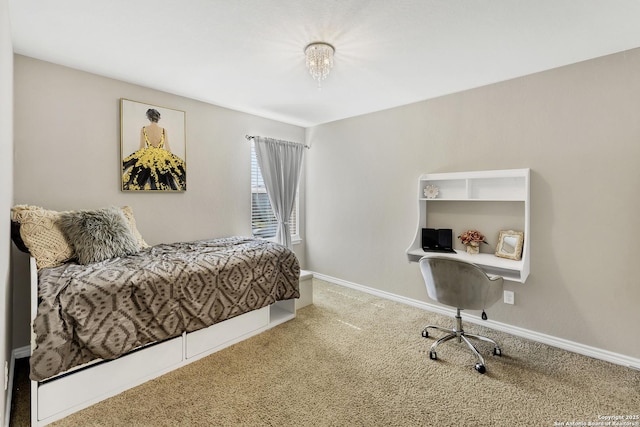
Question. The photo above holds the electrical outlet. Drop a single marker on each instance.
(509, 297)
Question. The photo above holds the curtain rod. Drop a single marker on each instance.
(248, 137)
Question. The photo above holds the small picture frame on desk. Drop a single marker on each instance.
(510, 244)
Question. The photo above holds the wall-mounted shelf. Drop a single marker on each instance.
(509, 187)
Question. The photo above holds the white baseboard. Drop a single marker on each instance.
(22, 352)
(7, 407)
(596, 353)
(17, 353)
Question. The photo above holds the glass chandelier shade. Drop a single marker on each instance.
(319, 60)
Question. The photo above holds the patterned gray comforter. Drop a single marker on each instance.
(106, 309)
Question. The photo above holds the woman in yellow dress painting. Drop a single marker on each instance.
(153, 166)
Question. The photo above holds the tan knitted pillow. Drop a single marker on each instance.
(41, 234)
(44, 238)
(128, 214)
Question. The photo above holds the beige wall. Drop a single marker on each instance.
(577, 128)
(67, 143)
(6, 189)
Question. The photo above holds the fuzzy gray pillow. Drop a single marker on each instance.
(98, 235)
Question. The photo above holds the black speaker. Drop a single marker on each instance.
(445, 239)
(429, 238)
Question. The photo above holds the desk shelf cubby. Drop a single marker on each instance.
(459, 194)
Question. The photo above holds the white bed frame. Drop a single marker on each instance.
(81, 387)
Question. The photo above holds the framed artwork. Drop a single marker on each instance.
(153, 147)
(510, 244)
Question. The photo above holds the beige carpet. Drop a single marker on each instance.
(353, 359)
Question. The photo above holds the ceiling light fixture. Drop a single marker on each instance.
(319, 60)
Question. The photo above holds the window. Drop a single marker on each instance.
(263, 221)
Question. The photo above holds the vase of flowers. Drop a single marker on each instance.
(472, 239)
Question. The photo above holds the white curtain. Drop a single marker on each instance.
(280, 163)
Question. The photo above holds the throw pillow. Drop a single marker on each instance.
(41, 235)
(128, 213)
(99, 234)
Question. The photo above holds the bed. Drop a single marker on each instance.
(102, 327)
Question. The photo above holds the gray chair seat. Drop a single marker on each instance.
(462, 285)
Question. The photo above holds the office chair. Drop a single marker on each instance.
(462, 285)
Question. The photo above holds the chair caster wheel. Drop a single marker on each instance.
(497, 351)
(433, 355)
(425, 334)
(480, 368)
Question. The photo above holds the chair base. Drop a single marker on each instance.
(459, 333)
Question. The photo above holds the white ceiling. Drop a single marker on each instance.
(248, 54)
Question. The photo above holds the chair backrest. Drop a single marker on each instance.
(459, 284)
